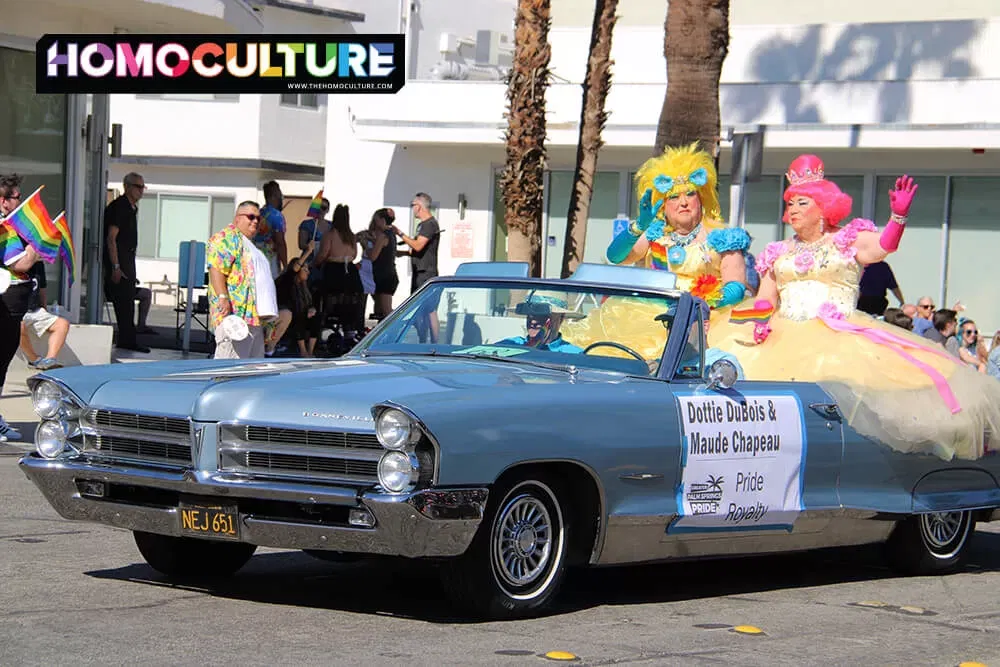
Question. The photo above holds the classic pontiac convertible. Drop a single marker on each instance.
(505, 426)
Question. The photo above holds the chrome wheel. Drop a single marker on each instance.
(523, 540)
(944, 533)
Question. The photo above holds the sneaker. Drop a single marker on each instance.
(47, 363)
(34, 364)
(8, 432)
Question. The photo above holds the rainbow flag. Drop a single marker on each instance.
(32, 222)
(316, 207)
(66, 249)
(10, 245)
(760, 315)
(658, 256)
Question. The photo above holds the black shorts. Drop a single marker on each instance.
(386, 283)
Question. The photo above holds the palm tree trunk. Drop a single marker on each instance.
(523, 177)
(596, 85)
(696, 40)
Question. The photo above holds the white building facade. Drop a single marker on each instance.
(200, 155)
(873, 96)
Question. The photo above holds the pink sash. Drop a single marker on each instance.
(899, 345)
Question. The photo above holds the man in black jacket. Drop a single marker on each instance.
(121, 229)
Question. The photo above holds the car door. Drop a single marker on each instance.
(757, 459)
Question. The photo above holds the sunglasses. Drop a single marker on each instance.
(252, 217)
(15, 196)
(970, 331)
(926, 307)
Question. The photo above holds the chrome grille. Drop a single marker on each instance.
(131, 436)
(113, 444)
(134, 422)
(334, 456)
(293, 436)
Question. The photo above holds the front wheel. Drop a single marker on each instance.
(191, 557)
(932, 543)
(516, 562)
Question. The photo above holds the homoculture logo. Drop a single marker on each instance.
(220, 63)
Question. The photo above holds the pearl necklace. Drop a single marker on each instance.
(812, 245)
(683, 240)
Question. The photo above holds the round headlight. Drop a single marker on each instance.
(47, 398)
(50, 439)
(394, 429)
(396, 471)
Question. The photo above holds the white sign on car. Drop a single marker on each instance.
(742, 462)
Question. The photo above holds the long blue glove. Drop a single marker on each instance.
(732, 293)
(622, 244)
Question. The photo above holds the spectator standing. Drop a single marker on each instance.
(945, 323)
(899, 318)
(42, 322)
(312, 230)
(121, 230)
(344, 293)
(925, 314)
(18, 258)
(876, 279)
(240, 284)
(993, 359)
(270, 235)
(968, 340)
(382, 253)
(423, 255)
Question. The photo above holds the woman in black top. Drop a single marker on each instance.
(380, 248)
(292, 292)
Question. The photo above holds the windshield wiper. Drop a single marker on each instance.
(517, 359)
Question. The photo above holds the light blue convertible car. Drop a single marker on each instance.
(483, 425)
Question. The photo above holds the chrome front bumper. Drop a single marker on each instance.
(427, 523)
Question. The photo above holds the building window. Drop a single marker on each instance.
(763, 206)
(973, 239)
(307, 100)
(190, 97)
(167, 219)
(600, 223)
(917, 263)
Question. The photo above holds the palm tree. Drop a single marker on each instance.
(592, 118)
(523, 176)
(696, 40)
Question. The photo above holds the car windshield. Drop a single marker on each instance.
(531, 323)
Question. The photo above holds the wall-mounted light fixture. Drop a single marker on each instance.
(462, 203)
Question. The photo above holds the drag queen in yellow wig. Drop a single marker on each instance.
(678, 229)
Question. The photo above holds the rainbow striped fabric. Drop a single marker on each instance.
(10, 247)
(316, 207)
(31, 221)
(66, 249)
(760, 315)
(658, 256)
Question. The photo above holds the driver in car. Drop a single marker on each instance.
(543, 316)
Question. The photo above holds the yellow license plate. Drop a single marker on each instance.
(210, 521)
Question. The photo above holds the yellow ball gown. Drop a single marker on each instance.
(630, 321)
(891, 385)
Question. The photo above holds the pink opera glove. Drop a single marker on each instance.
(901, 196)
(760, 332)
(900, 199)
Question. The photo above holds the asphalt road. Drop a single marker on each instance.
(80, 594)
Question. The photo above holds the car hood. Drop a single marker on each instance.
(331, 393)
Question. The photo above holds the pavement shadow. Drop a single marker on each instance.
(411, 589)
(22, 446)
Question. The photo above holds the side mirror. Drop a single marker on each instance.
(722, 374)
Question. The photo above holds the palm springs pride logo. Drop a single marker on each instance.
(218, 64)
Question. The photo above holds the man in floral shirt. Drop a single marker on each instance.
(240, 283)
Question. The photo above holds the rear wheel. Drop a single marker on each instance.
(932, 543)
(518, 558)
(191, 557)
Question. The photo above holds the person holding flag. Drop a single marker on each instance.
(19, 255)
(311, 230)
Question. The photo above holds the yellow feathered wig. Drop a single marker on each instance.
(679, 169)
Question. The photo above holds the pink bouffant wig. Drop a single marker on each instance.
(806, 179)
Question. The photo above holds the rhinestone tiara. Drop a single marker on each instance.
(808, 175)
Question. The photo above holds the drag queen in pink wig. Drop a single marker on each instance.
(898, 388)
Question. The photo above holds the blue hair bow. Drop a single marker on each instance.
(665, 184)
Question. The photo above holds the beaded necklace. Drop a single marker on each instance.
(677, 253)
